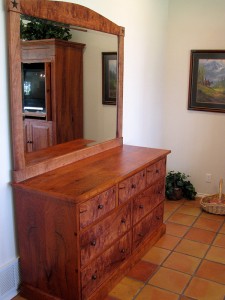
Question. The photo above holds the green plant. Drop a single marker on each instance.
(177, 181)
(32, 28)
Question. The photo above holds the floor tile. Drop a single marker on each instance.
(200, 235)
(222, 230)
(182, 262)
(192, 248)
(207, 224)
(142, 271)
(207, 215)
(168, 241)
(203, 289)
(166, 215)
(216, 254)
(126, 289)
(182, 219)
(172, 205)
(156, 255)
(151, 292)
(219, 240)
(189, 210)
(176, 229)
(212, 271)
(193, 203)
(170, 280)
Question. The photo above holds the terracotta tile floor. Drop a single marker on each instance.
(188, 262)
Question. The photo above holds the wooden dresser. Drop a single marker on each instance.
(81, 227)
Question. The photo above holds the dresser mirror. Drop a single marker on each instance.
(102, 124)
(98, 121)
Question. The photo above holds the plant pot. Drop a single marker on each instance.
(177, 194)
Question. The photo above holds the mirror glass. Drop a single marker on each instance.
(99, 120)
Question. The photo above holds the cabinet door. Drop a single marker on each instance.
(26, 135)
(37, 134)
(41, 132)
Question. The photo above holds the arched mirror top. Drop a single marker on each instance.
(74, 15)
(67, 13)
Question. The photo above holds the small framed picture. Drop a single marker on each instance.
(207, 81)
(109, 78)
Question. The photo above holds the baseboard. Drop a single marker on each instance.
(201, 195)
(9, 280)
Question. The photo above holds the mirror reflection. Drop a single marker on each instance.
(62, 90)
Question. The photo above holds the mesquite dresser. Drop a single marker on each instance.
(83, 226)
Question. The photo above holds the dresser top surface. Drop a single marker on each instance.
(87, 177)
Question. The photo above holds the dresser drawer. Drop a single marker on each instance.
(148, 199)
(105, 265)
(156, 171)
(131, 186)
(150, 223)
(97, 207)
(104, 233)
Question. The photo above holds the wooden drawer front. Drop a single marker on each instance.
(131, 186)
(97, 207)
(97, 238)
(104, 265)
(156, 171)
(157, 220)
(147, 225)
(40, 53)
(147, 200)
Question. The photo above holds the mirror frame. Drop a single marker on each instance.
(76, 16)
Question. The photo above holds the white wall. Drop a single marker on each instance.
(7, 243)
(99, 119)
(145, 40)
(197, 139)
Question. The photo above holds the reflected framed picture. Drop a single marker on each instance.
(109, 78)
(207, 81)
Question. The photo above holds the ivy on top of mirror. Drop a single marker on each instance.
(32, 28)
(14, 3)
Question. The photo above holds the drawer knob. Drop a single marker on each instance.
(94, 277)
(93, 243)
(100, 206)
(157, 171)
(141, 206)
(158, 217)
(133, 186)
(123, 221)
(123, 251)
(141, 234)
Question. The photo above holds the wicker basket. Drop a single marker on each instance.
(214, 204)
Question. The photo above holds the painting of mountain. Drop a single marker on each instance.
(211, 81)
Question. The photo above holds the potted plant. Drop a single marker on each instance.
(32, 28)
(178, 186)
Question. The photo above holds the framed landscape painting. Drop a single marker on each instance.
(207, 81)
(109, 78)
